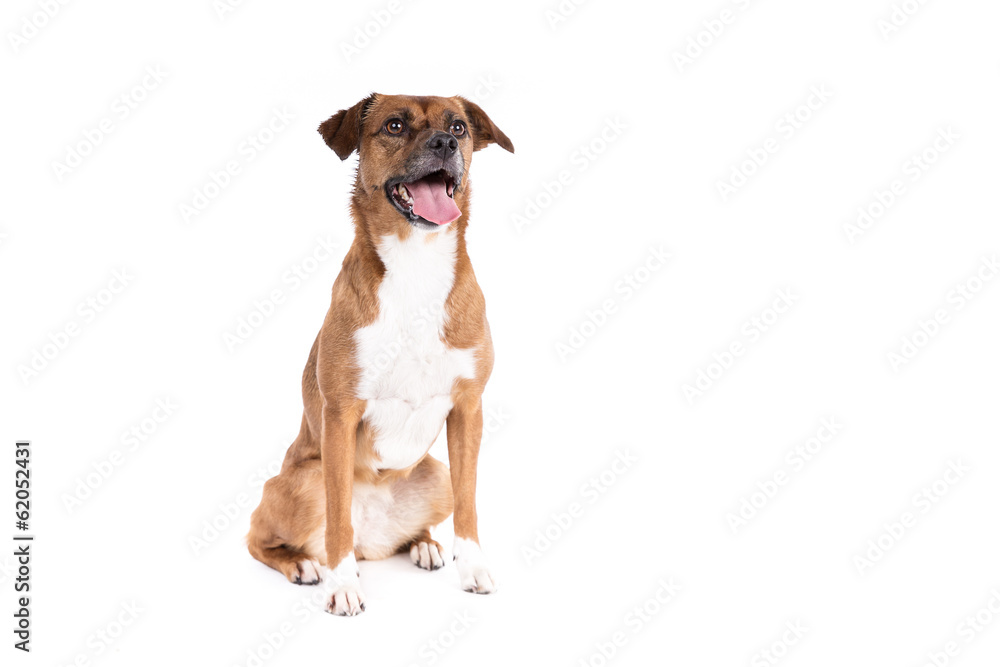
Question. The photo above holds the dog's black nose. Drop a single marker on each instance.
(443, 144)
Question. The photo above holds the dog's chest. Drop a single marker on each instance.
(407, 370)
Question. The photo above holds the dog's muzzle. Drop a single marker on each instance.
(426, 193)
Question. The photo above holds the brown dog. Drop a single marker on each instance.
(404, 349)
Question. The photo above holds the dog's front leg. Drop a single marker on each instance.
(465, 432)
(342, 582)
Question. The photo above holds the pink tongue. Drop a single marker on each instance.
(431, 200)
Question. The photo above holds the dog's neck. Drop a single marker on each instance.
(427, 260)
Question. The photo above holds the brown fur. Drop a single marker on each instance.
(333, 451)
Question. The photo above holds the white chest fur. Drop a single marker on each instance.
(407, 371)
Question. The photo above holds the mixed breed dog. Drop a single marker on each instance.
(405, 349)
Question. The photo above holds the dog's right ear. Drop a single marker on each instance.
(342, 131)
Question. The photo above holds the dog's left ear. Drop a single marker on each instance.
(484, 132)
(342, 131)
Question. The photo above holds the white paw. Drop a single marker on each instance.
(342, 586)
(473, 571)
(427, 555)
(309, 573)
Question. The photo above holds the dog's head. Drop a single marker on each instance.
(414, 154)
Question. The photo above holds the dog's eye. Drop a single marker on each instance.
(394, 126)
(457, 128)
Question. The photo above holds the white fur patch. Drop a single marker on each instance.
(342, 588)
(473, 570)
(346, 571)
(407, 371)
(375, 531)
(376, 519)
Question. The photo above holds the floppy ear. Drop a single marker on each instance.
(484, 132)
(342, 131)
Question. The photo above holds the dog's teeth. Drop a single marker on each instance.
(404, 194)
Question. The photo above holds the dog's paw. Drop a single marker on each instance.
(346, 600)
(342, 586)
(307, 573)
(473, 571)
(427, 554)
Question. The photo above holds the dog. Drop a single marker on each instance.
(404, 350)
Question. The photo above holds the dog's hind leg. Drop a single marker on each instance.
(425, 552)
(297, 566)
(425, 499)
(289, 512)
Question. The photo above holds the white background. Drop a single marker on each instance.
(565, 417)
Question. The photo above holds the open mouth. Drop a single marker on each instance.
(428, 201)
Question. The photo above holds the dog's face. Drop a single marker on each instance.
(414, 155)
